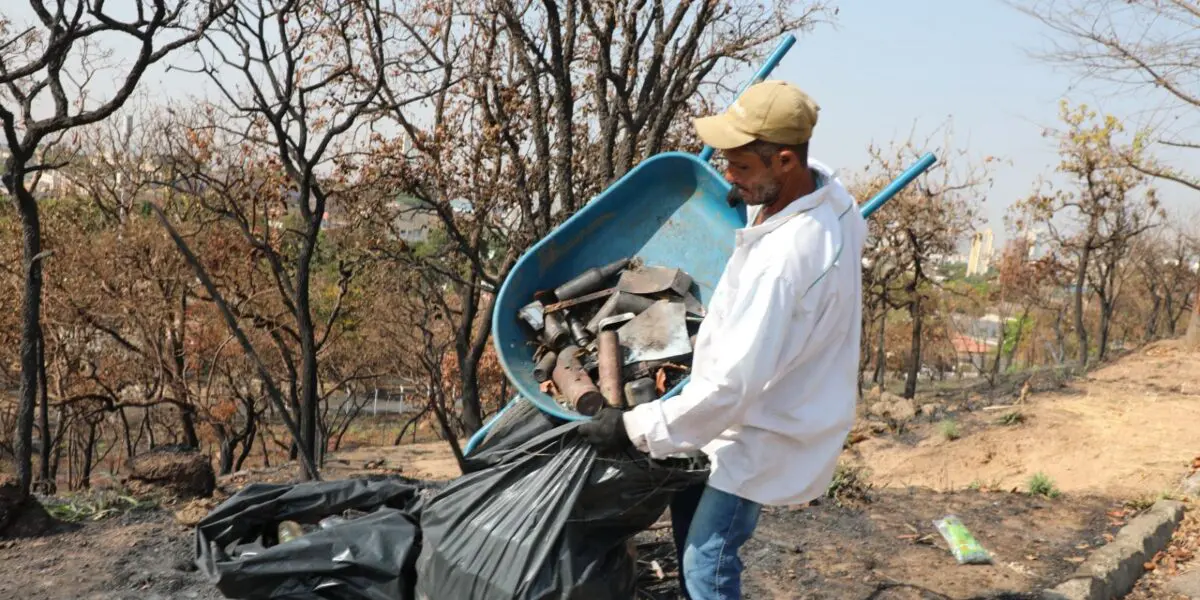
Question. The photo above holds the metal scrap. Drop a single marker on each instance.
(639, 391)
(570, 378)
(533, 315)
(660, 332)
(619, 302)
(589, 281)
(565, 304)
(652, 280)
(613, 346)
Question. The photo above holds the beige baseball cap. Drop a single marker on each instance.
(771, 111)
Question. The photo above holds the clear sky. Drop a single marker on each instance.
(887, 65)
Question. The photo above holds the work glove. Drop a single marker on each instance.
(606, 430)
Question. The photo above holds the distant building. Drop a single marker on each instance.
(1037, 243)
(980, 258)
(412, 220)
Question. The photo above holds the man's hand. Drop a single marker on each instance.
(606, 430)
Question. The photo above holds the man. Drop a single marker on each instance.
(774, 372)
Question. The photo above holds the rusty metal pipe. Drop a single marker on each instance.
(573, 383)
(578, 333)
(557, 335)
(545, 367)
(608, 354)
(589, 281)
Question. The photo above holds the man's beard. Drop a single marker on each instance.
(763, 193)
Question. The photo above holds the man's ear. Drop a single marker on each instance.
(788, 160)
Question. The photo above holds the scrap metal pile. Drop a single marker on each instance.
(617, 335)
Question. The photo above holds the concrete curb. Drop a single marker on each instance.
(1112, 571)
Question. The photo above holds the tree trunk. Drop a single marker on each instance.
(266, 451)
(1106, 309)
(439, 410)
(1080, 328)
(130, 448)
(188, 420)
(1012, 352)
(308, 384)
(85, 476)
(31, 330)
(472, 411)
(1192, 339)
(1060, 337)
(44, 476)
(60, 430)
(247, 439)
(1151, 330)
(225, 459)
(1169, 310)
(309, 396)
(999, 352)
(881, 350)
(914, 367)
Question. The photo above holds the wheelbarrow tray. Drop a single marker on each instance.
(670, 211)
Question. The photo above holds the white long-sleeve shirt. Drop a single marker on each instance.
(773, 384)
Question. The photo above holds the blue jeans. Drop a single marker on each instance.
(710, 527)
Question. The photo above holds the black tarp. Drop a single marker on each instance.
(546, 518)
(371, 557)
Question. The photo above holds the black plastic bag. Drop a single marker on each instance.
(369, 558)
(548, 518)
(515, 426)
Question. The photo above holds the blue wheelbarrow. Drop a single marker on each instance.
(670, 210)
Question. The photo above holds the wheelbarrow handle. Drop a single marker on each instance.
(772, 62)
(894, 187)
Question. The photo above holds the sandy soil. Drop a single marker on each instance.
(1127, 430)
(427, 460)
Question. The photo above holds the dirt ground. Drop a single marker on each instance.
(887, 548)
(141, 555)
(427, 460)
(890, 549)
(1127, 430)
(1110, 443)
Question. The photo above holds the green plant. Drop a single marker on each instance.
(849, 484)
(94, 505)
(1040, 484)
(1145, 501)
(1015, 417)
(949, 430)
